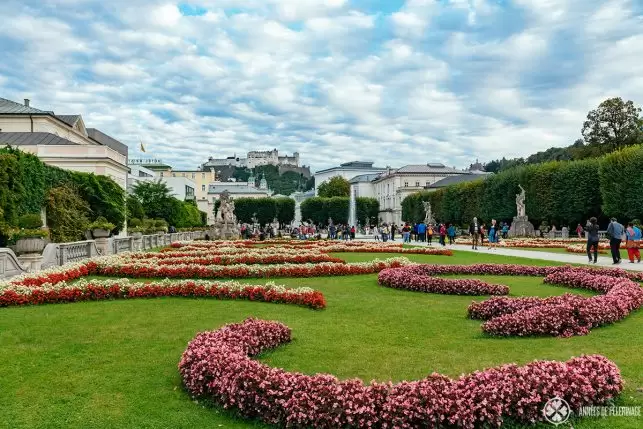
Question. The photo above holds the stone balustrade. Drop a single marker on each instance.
(57, 254)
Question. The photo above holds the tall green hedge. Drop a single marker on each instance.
(265, 209)
(559, 192)
(25, 182)
(319, 210)
(621, 177)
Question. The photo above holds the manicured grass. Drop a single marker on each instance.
(114, 363)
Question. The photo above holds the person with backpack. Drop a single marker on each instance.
(633, 239)
(429, 234)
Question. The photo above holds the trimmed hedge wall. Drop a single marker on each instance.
(559, 192)
(319, 209)
(266, 210)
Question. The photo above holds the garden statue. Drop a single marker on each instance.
(428, 218)
(521, 227)
(225, 225)
(520, 202)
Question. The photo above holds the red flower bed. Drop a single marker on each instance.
(217, 366)
(118, 266)
(94, 290)
(418, 278)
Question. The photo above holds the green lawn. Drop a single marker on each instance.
(113, 364)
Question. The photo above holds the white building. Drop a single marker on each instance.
(62, 141)
(347, 170)
(390, 186)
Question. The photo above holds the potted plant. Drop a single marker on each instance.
(136, 228)
(30, 236)
(101, 227)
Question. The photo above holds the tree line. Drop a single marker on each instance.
(615, 124)
(558, 192)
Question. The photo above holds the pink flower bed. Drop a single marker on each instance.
(94, 290)
(217, 366)
(564, 316)
(419, 278)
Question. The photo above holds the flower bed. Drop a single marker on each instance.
(217, 366)
(322, 246)
(564, 316)
(94, 290)
(121, 266)
(244, 258)
(418, 278)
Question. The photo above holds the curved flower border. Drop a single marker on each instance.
(419, 278)
(217, 366)
(94, 290)
(564, 316)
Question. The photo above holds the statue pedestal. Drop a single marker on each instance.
(102, 244)
(521, 227)
(31, 261)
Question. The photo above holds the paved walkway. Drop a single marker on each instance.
(566, 258)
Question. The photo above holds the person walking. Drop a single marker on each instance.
(505, 230)
(406, 233)
(474, 232)
(353, 232)
(393, 231)
(443, 234)
(422, 232)
(633, 237)
(376, 233)
(483, 232)
(385, 232)
(493, 237)
(579, 231)
(451, 233)
(615, 232)
(591, 232)
(429, 234)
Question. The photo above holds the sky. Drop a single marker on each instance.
(391, 81)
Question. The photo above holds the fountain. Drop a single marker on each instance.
(352, 209)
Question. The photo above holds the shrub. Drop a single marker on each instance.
(30, 221)
(135, 222)
(67, 214)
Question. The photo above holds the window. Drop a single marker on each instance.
(202, 188)
(161, 174)
(202, 175)
(417, 184)
(406, 184)
(193, 175)
(428, 183)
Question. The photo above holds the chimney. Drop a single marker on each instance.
(26, 102)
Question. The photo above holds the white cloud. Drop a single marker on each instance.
(323, 77)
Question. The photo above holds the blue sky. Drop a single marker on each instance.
(392, 81)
